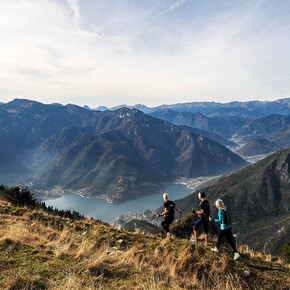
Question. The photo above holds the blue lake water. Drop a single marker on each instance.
(108, 212)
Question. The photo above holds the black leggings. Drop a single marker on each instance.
(201, 221)
(166, 223)
(229, 237)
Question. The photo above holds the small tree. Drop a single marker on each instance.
(20, 196)
(286, 252)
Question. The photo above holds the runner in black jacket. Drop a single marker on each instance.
(169, 207)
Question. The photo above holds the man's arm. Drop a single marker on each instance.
(164, 213)
(201, 211)
(179, 210)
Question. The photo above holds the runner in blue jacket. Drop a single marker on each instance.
(225, 228)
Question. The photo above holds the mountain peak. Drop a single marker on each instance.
(22, 105)
(23, 102)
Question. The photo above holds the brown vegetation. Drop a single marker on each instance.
(41, 251)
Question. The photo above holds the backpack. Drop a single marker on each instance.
(228, 218)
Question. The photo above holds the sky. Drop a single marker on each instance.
(153, 52)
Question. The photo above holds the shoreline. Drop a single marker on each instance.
(57, 192)
(67, 191)
(196, 182)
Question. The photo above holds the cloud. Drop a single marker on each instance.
(111, 52)
(75, 7)
(174, 6)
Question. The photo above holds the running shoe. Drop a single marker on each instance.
(236, 256)
(215, 250)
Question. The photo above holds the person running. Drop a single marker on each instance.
(203, 218)
(169, 207)
(225, 228)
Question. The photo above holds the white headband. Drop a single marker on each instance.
(217, 203)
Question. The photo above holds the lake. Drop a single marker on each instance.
(108, 212)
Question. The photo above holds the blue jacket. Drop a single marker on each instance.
(221, 219)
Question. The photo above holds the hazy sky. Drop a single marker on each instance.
(111, 52)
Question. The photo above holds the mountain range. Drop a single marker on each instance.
(133, 154)
(228, 127)
(277, 140)
(116, 155)
(251, 109)
(223, 126)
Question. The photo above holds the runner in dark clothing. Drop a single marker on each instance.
(169, 207)
(203, 216)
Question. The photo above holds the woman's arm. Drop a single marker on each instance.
(221, 216)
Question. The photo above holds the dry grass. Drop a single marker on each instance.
(265, 257)
(39, 251)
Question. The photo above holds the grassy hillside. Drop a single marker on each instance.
(42, 251)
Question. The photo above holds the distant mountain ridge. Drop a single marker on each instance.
(113, 154)
(222, 126)
(279, 139)
(264, 126)
(230, 127)
(250, 109)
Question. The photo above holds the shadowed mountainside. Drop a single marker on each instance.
(230, 126)
(280, 139)
(258, 146)
(222, 126)
(132, 154)
(211, 136)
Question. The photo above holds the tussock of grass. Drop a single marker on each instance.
(39, 251)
